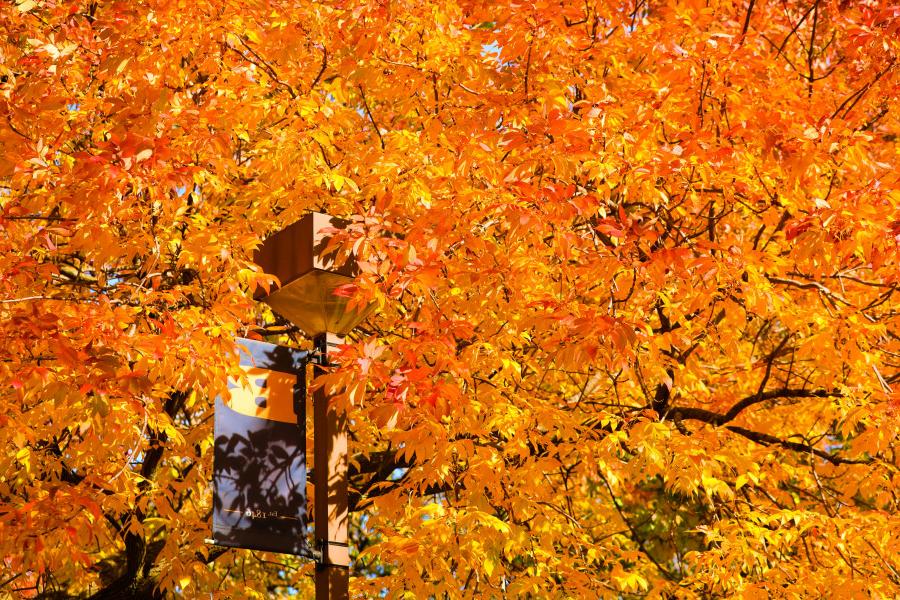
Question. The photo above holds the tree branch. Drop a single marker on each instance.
(807, 285)
(717, 419)
(770, 440)
(747, 20)
(321, 72)
(371, 118)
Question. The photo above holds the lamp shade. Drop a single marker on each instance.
(309, 278)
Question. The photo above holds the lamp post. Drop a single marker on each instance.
(306, 298)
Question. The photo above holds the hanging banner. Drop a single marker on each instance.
(259, 461)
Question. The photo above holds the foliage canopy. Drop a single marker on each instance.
(636, 266)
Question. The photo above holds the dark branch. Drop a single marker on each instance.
(371, 118)
(717, 419)
(747, 20)
(770, 440)
(321, 72)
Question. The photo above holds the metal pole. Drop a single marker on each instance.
(331, 511)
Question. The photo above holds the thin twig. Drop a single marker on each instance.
(747, 20)
(26, 299)
(634, 534)
(805, 285)
(321, 70)
(371, 118)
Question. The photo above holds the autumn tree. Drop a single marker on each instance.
(635, 264)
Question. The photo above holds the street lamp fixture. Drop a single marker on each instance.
(309, 277)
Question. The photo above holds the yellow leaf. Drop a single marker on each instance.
(489, 565)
